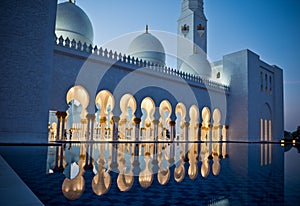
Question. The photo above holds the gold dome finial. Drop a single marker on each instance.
(147, 29)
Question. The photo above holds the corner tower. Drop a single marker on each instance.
(192, 26)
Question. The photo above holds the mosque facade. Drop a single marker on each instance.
(57, 84)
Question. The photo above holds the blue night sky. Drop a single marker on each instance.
(269, 28)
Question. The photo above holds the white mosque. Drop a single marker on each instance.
(56, 82)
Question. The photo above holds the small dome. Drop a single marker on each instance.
(197, 64)
(72, 22)
(148, 47)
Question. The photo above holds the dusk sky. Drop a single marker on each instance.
(269, 28)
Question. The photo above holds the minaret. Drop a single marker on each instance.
(192, 25)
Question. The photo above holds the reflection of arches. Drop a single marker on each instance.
(216, 165)
(194, 116)
(148, 109)
(128, 108)
(101, 181)
(73, 189)
(180, 120)
(165, 111)
(205, 124)
(105, 103)
(179, 172)
(163, 176)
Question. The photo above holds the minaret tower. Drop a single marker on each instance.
(192, 25)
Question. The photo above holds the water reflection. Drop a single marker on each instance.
(125, 164)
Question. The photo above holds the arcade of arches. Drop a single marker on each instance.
(154, 123)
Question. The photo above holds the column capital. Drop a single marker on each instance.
(102, 120)
(115, 118)
(156, 121)
(137, 120)
(63, 114)
(172, 123)
(91, 116)
(58, 114)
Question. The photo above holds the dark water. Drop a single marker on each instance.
(159, 174)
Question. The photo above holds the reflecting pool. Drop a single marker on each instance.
(158, 173)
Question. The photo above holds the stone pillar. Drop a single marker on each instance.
(88, 117)
(224, 133)
(186, 135)
(58, 115)
(199, 132)
(115, 128)
(172, 132)
(137, 122)
(63, 118)
(155, 122)
(93, 117)
(219, 133)
(209, 132)
(102, 127)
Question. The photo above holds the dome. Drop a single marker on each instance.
(72, 22)
(147, 47)
(197, 64)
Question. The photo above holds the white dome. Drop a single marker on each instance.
(72, 22)
(148, 47)
(197, 64)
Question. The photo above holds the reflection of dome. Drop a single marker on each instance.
(196, 64)
(72, 22)
(147, 47)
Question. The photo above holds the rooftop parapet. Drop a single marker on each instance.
(131, 60)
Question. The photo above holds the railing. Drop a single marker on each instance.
(136, 61)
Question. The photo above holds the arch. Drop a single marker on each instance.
(81, 95)
(216, 117)
(104, 98)
(148, 109)
(180, 111)
(266, 128)
(105, 102)
(165, 111)
(78, 100)
(205, 129)
(194, 116)
(206, 115)
(128, 107)
(216, 129)
(126, 101)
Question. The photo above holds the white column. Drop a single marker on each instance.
(93, 117)
(172, 132)
(186, 135)
(137, 122)
(58, 115)
(155, 122)
(115, 128)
